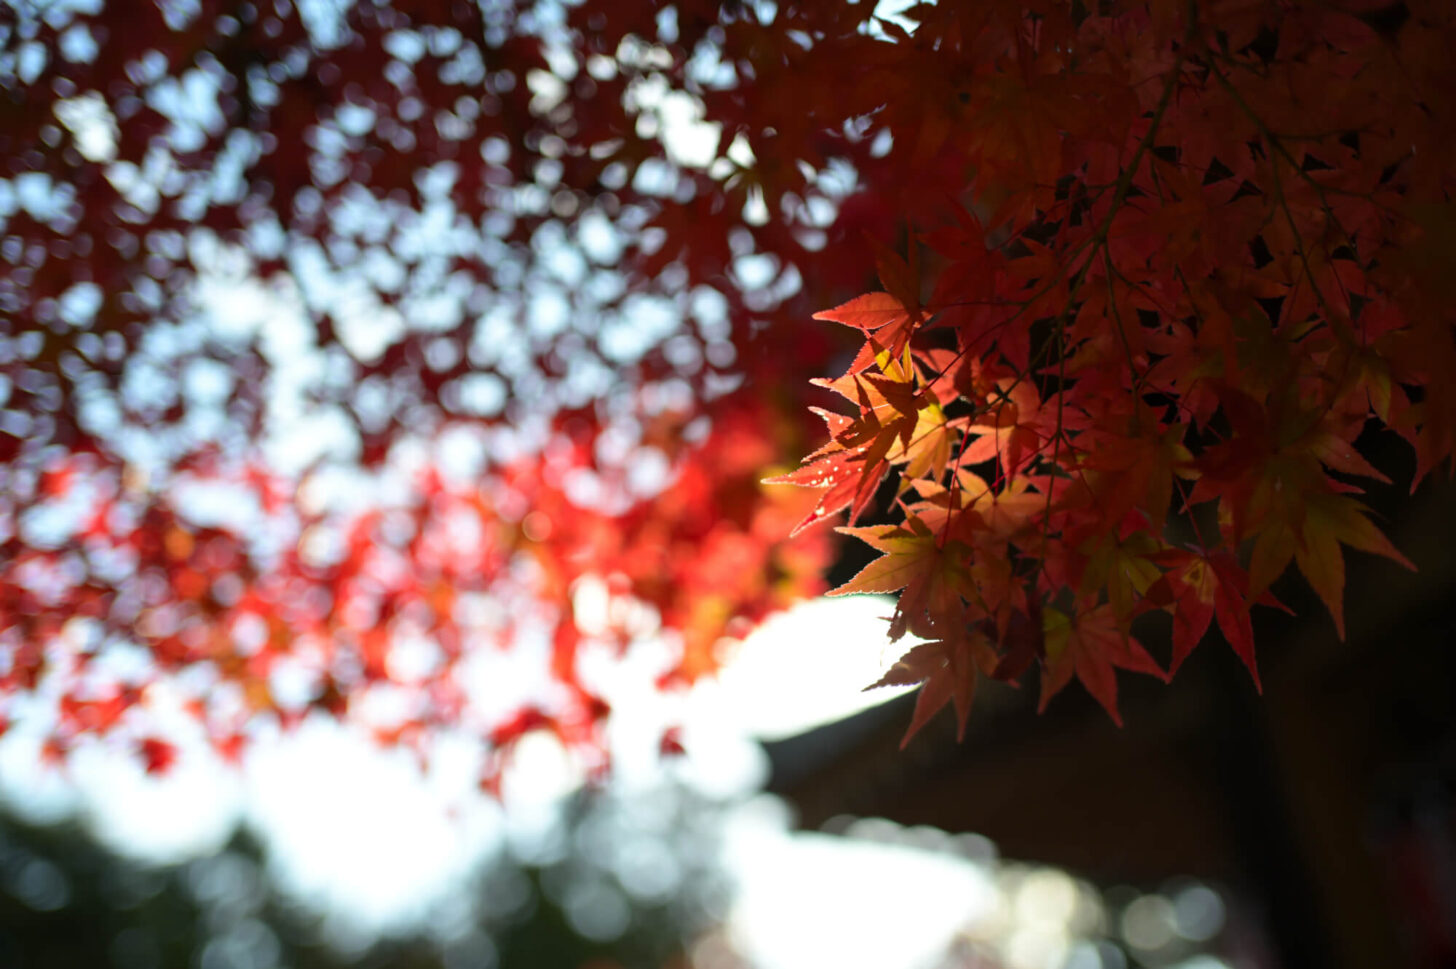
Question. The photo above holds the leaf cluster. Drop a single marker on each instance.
(1184, 257)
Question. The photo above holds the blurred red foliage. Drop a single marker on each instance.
(341, 349)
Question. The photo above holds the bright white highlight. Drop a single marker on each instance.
(808, 667)
(809, 899)
(357, 831)
(91, 123)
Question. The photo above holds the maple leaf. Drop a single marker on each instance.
(910, 556)
(1200, 587)
(1125, 569)
(1329, 521)
(1013, 428)
(1136, 472)
(900, 278)
(844, 474)
(944, 685)
(887, 313)
(931, 439)
(947, 671)
(860, 450)
(933, 576)
(1092, 644)
(868, 312)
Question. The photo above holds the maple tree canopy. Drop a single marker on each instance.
(412, 362)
